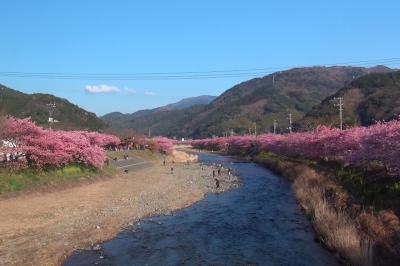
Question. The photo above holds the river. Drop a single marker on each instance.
(256, 224)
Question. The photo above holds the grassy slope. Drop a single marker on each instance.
(370, 187)
(347, 206)
(28, 179)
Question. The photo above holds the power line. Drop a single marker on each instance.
(373, 61)
(135, 76)
(232, 73)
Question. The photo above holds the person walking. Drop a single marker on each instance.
(172, 170)
(216, 183)
(213, 173)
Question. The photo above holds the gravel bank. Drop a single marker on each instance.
(43, 229)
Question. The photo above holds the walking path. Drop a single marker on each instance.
(132, 163)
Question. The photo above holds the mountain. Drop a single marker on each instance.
(144, 119)
(189, 102)
(70, 116)
(259, 100)
(371, 98)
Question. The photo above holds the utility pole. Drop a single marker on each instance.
(340, 106)
(290, 122)
(275, 125)
(51, 107)
(149, 132)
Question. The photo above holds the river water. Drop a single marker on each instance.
(256, 224)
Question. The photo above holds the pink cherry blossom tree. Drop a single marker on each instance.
(41, 148)
(357, 146)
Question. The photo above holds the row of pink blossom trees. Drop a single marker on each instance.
(24, 144)
(357, 146)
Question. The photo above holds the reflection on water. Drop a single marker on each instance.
(256, 224)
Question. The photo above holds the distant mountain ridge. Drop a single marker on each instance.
(118, 120)
(70, 116)
(189, 102)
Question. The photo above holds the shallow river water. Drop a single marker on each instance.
(256, 224)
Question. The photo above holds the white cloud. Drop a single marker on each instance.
(105, 89)
(94, 89)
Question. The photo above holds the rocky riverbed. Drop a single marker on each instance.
(43, 229)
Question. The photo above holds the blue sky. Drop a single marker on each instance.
(181, 36)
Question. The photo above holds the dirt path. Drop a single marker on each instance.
(44, 229)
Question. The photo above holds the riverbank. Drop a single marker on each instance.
(258, 223)
(356, 230)
(43, 229)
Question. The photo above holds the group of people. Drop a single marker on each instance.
(219, 171)
(172, 167)
(217, 182)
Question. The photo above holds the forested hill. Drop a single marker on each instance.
(70, 116)
(259, 100)
(141, 120)
(371, 98)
